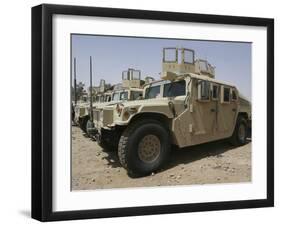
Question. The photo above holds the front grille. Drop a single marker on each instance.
(107, 116)
(82, 111)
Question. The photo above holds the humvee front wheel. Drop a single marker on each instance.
(144, 147)
(239, 135)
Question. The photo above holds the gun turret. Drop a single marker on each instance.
(202, 67)
(131, 78)
(178, 61)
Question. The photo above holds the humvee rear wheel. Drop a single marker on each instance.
(239, 135)
(144, 147)
(242, 132)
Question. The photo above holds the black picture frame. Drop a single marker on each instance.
(42, 111)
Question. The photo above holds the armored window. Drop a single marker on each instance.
(124, 96)
(226, 94)
(115, 97)
(233, 95)
(188, 56)
(136, 74)
(215, 92)
(152, 92)
(203, 65)
(102, 99)
(170, 54)
(108, 98)
(135, 95)
(174, 89)
(125, 75)
(204, 90)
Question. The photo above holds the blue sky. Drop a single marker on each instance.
(112, 55)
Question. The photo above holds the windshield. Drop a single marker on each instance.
(115, 97)
(108, 98)
(152, 92)
(102, 99)
(124, 96)
(135, 95)
(174, 89)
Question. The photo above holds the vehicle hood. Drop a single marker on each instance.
(147, 102)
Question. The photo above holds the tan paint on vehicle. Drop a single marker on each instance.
(199, 117)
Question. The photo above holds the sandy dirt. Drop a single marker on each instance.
(216, 162)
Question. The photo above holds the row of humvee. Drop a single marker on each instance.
(188, 106)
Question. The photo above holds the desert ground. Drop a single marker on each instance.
(216, 162)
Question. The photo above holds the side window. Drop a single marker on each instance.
(204, 90)
(233, 95)
(225, 94)
(215, 92)
(124, 96)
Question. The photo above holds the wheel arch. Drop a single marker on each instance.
(243, 114)
(162, 118)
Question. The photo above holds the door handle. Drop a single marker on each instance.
(233, 109)
(213, 110)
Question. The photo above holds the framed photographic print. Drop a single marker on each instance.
(145, 112)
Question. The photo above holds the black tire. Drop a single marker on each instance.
(83, 124)
(128, 148)
(89, 127)
(108, 140)
(236, 139)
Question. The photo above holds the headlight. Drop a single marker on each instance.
(132, 110)
(126, 115)
(119, 108)
(127, 112)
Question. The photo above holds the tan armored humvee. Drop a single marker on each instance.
(188, 107)
(129, 89)
(81, 110)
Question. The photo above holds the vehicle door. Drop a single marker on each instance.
(227, 110)
(205, 111)
(197, 123)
